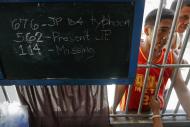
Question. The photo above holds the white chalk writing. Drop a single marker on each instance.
(29, 50)
(65, 35)
(57, 36)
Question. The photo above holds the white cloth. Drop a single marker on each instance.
(179, 40)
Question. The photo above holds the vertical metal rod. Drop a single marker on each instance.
(164, 3)
(128, 97)
(169, 43)
(176, 70)
(186, 82)
(5, 94)
(157, 22)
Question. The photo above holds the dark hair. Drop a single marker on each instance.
(174, 4)
(151, 17)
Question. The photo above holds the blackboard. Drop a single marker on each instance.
(71, 40)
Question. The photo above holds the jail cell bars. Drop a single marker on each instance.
(177, 66)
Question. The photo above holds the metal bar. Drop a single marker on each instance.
(169, 43)
(186, 83)
(177, 107)
(157, 22)
(146, 115)
(128, 97)
(5, 94)
(176, 70)
(164, 65)
(164, 3)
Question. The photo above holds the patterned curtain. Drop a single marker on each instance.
(66, 106)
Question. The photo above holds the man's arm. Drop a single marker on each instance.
(156, 118)
(157, 122)
(119, 91)
(182, 91)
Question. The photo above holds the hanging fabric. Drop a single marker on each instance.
(66, 106)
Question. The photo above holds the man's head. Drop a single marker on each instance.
(163, 29)
(184, 15)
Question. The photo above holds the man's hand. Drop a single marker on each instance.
(155, 106)
(176, 52)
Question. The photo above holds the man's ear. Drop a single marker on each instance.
(147, 30)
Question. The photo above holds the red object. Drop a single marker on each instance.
(151, 87)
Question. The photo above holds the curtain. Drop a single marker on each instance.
(66, 106)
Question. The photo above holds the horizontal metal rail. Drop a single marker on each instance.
(146, 115)
(164, 65)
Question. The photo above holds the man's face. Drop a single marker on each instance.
(183, 19)
(162, 35)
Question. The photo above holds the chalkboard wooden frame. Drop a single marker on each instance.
(138, 16)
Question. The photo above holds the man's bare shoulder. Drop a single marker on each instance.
(142, 42)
